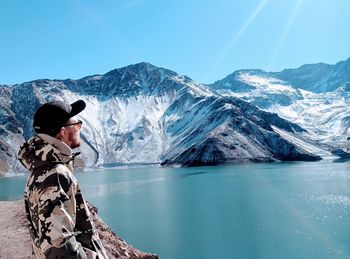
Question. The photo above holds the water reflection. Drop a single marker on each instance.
(192, 174)
(341, 160)
(125, 186)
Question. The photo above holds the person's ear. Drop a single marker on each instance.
(61, 134)
(63, 131)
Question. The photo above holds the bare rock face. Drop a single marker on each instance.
(15, 242)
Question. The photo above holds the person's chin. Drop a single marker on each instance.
(75, 145)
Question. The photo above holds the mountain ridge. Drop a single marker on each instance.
(132, 111)
(317, 77)
(319, 106)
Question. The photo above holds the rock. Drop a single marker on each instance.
(341, 153)
(15, 242)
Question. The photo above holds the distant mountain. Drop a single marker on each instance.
(145, 114)
(319, 77)
(315, 96)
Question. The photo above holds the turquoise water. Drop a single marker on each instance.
(280, 210)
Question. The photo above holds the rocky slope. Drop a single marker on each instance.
(15, 242)
(315, 96)
(217, 129)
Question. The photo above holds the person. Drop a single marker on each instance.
(59, 220)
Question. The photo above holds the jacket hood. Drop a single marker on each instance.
(42, 150)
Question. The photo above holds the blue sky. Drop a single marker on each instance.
(205, 40)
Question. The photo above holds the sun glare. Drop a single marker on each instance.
(236, 37)
(281, 40)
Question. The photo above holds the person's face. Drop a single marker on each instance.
(72, 133)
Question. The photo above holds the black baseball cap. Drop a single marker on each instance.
(51, 116)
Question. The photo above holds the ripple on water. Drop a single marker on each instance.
(336, 200)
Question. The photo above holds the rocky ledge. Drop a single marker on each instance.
(15, 240)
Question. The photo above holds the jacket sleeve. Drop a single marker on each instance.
(57, 218)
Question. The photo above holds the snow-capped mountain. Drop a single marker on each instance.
(316, 97)
(215, 129)
(10, 131)
(317, 78)
(145, 114)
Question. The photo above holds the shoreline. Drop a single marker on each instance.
(119, 166)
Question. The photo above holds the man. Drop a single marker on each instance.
(59, 220)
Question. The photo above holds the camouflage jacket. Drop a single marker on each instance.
(59, 219)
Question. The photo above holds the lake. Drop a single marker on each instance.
(278, 210)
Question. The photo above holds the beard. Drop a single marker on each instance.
(74, 140)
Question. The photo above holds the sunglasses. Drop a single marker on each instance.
(78, 124)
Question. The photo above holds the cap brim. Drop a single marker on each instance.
(77, 107)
